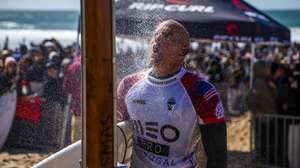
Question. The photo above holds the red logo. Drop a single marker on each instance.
(238, 4)
(232, 29)
(180, 2)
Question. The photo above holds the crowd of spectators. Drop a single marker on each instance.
(272, 94)
(43, 72)
(276, 75)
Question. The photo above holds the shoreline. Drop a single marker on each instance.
(67, 37)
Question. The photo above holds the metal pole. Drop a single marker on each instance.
(276, 140)
(284, 140)
(268, 145)
(251, 64)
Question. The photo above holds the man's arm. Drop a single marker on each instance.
(214, 139)
(210, 112)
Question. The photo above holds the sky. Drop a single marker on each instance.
(75, 4)
(40, 4)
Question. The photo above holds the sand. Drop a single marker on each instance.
(19, 158)
(238, 131)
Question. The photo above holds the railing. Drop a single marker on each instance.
(275, 141)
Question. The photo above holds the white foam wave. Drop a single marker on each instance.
(14, 25)
(65, 37)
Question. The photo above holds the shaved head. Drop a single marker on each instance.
(181, 34)
(169, 46)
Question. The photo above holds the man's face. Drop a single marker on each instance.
(166, 46)
(37, 57)
(11, 68)
(52, 72)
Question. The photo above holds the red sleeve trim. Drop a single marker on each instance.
(124, 86)
(205, 99)
(213, 120)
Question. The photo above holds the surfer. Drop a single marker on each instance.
(169, 107)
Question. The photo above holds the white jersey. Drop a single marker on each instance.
(165, 115)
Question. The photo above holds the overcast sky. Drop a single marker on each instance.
(75, 4)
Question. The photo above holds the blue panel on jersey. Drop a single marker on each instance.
(200, 88)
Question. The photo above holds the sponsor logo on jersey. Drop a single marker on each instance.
(153, 147)
(171, 7)
(143, 102)
(171, 104)
(152, 130)
(163, 161)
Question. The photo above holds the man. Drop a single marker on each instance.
(168, 107)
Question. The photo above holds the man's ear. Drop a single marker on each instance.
(185, 50)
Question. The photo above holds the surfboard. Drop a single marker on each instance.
(124, 142)
(7, 112)
(68, 157)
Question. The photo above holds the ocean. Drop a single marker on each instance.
(35, 26)
(27, 26)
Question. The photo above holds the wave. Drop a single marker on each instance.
(16, 37)
(14, 25)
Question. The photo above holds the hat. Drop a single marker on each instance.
(6, 53)
(49, 44)
(66, 62)
(52, 55)
(9, 60)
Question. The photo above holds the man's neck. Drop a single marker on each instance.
(164, 74)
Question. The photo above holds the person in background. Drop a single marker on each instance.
(72, 89)
(261, 100)
(8, 77)
(52, 107)
(1, 66)
(53, 90)
(23, 88)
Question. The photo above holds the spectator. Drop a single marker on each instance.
(72, 90)
(8, 76)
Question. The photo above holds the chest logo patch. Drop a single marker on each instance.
(171, 104)
(143, 102)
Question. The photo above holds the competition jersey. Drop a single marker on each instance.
(165, 115)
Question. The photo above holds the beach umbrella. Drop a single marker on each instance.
(225, 20)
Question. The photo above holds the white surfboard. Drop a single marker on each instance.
(7, 112)
(124, 142)
(68, 157)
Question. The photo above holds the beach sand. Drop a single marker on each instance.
(238, 130)
(20, 158)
